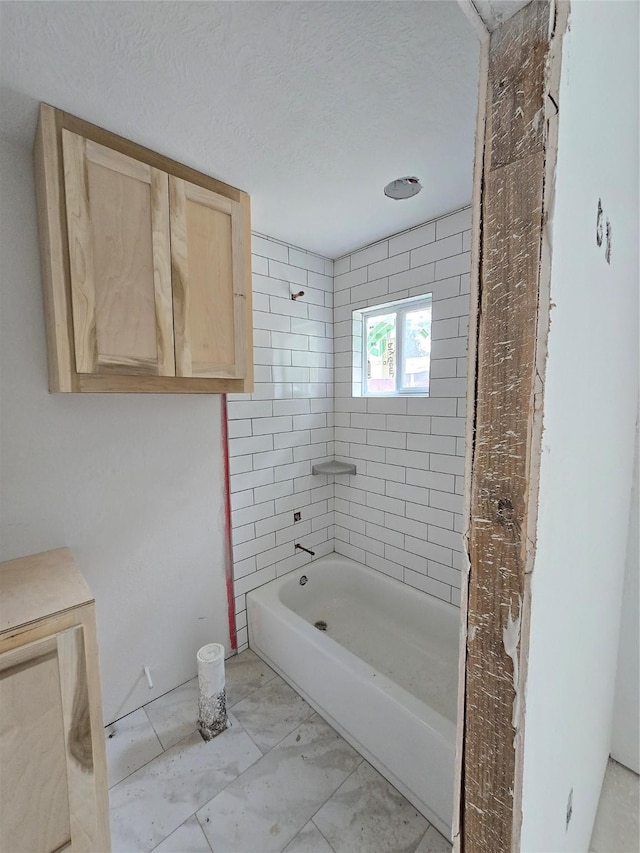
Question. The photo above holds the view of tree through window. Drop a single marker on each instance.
(417, 348)
(397, 347)
(381, 349)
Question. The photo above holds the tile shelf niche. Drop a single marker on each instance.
(334, 467)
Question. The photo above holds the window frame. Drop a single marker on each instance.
(399, 307)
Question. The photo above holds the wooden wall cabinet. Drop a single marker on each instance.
(53, 777)
(146, 267)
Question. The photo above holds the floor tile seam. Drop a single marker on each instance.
(195, 729)
(203, 805)
(229, 708)
(177, 743)
(195, 814)
(206, 804)
(253, 764)
(261, 751)
(335, 790)
(331, 847)
(155, 731)
(364, 760)
(272, 670)
(306, 720)
(162, 751)
(230, 782)
(423, 836)
(252, 691)
(164, 748)
(175, 829)
(179, 827)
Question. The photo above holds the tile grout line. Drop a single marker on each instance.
(333, 793)
(313, 712)
(166, 749)
(422, 837)
(262, 755)
(144, 708)
(364, 760)
(321, 832)
(163, 750)
(195, 813)
(180, 827)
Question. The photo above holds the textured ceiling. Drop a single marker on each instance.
(312, 107)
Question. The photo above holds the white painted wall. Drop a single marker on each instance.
(590, 412)
(625, 735)
(133, 484)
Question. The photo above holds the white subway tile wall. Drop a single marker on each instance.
(277, 433)
(401, 514)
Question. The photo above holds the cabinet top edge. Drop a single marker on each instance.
(40, 585)
(67, 121)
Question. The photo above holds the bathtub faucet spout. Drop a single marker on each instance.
(306, 550)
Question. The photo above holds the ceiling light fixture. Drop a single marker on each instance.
(403, 188)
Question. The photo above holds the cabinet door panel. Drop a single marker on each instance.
(118, 227)
(34, 803)
(47, 790)
(209, 292)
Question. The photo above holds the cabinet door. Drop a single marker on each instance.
(209, 291)
(47, 795)
(118, 228)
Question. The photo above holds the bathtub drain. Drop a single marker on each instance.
(321, 625)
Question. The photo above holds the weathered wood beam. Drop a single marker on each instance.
(509, 329)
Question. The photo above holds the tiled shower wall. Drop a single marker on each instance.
(277, 433)
(401, 514)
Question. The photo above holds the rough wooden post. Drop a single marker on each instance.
(508, 352)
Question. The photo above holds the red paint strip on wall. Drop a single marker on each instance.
(228, 548)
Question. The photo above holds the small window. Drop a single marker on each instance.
(394, 342)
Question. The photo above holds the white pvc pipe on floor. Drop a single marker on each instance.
(212, 702)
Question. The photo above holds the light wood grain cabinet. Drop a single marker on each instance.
(53, 781)
(119, 260)
(146, 267)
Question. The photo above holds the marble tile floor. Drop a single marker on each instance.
(279, 780)
(617, 824)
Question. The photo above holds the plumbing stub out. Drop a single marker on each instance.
(212, 697)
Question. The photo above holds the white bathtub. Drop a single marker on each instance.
(384, 674)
